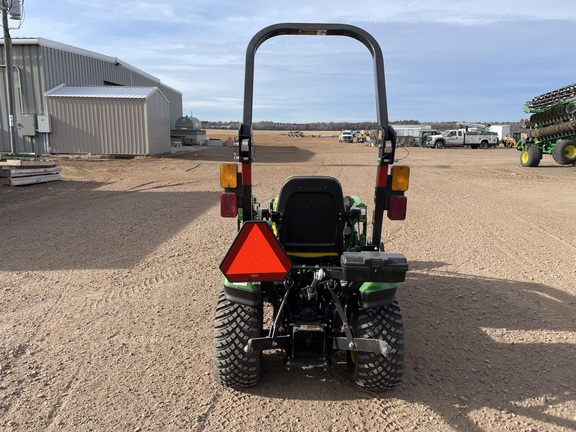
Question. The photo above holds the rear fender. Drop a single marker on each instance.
(377, 294)
(246, 293)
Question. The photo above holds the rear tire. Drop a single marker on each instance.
(530, 156)
(234, 325)
(376, 371)
(564, 152)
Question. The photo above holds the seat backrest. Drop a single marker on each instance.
(311, 211)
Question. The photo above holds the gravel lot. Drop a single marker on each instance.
(109, 281)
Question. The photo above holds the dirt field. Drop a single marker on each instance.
(109, 281)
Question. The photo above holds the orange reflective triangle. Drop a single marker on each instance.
(255, 255)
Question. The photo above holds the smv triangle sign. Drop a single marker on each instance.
(255, 255)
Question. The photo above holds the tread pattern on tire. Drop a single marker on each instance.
(534, 157)
(234, 325)
(376, 371)
(558, 152)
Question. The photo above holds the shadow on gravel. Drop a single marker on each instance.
(84, 228)
(475, 343)
(11, 195)
(471, 344)
(263, 154)
(280, 154)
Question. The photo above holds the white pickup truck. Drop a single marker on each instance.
(460, 137)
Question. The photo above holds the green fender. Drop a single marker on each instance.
(377, 294)
(246, 293)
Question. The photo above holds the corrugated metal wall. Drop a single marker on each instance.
(29, 95)
(110, 125)
(157, 108)
(39, 68)
(61, 67)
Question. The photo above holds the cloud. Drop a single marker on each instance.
(443, 58)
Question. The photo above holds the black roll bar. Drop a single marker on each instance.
(386, 135)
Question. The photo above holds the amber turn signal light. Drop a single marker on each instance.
(400, 178)
(228, 175)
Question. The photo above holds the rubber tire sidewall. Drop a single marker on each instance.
(234, 325)
(559, 152)
(530, 157)
(370, 370)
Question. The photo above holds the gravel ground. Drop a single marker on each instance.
(110, 279)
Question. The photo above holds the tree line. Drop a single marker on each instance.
(338, 126)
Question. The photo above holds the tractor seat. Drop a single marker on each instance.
(311, 212)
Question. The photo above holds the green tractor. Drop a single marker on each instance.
(423, 135)
(304, 276)
(552, 128)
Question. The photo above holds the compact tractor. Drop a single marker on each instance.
(552, 128)
(304, 276)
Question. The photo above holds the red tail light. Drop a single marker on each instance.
(397, 209)
(228, 205)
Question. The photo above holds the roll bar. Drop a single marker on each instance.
(386, 135)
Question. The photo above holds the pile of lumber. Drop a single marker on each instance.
(17, 171)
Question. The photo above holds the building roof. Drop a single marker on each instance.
(75, 50)
(102, 92)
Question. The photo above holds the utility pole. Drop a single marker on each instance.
(9, 76)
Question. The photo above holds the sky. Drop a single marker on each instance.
(445, 60)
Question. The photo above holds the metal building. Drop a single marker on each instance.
(409, 130)
(108, 120)
(41, 65)
(407, 135)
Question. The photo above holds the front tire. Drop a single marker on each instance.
(376, 371)
(234, 325)
(531, 156)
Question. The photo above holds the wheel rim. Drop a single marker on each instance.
(525, 157)
(570, 152)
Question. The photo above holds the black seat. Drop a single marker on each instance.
(311, 210)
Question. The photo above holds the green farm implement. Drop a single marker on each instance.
(552, 128)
